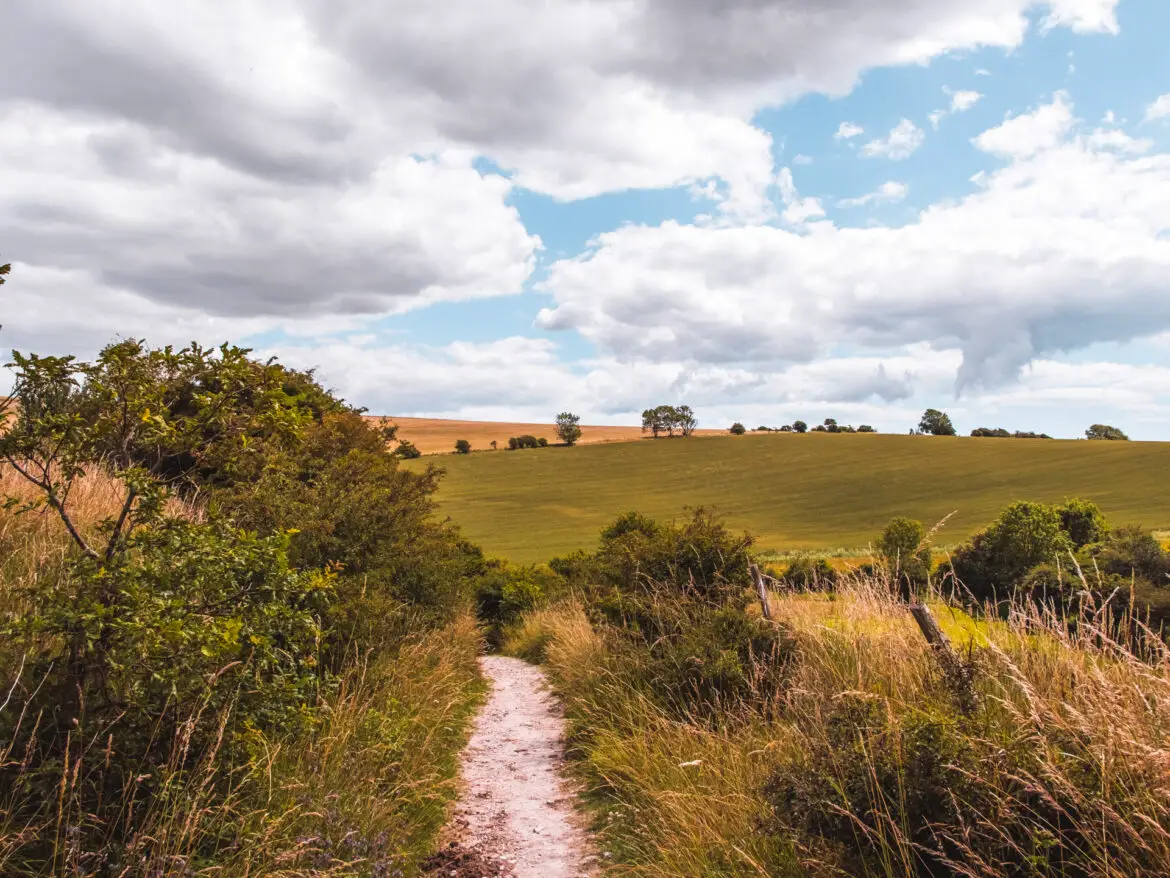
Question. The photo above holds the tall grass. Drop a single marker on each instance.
(363, 792)
(869, 766)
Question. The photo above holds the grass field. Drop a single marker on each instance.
(816, 491)
(438, 435)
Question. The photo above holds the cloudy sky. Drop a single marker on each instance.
(768, 209)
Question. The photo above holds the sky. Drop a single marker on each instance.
(505, 209)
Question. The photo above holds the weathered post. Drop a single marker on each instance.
(928, 625)
(959, 675)
(762, 591)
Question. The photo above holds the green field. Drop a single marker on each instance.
(816, 491)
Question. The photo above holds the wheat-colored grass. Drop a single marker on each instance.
(678, 799)
(438, 435)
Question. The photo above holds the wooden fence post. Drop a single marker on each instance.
(960, 675)
(762, 591)
(928, 625)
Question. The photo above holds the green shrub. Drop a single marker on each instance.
(871, 775)
(1082, 521)
(810, 574)
(699, 557)
(1132, 551)
(462, 446)
(902, 548)
(996, 560)
(737, 429)
(407, 450)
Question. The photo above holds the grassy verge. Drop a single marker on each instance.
(863, 761)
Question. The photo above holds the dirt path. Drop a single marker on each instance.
(516, 813)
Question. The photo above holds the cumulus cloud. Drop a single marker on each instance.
(1065, 246)
(884, 194)
(1159, 108)
(797, 210)
(268, 159)
(900, 143)
(847, 130)
(177, 171)
(1030, 133)
(962, 101)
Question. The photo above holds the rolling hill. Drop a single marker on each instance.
(794, 492)
(438, 435)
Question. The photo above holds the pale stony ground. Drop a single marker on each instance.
(516, 805)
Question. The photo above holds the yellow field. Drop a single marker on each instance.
(438, 435)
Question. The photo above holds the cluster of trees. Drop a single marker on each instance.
(830, 425)
(669, 419)
(1106, 432)
(1000, 433)
(938, 423)
(515, 443)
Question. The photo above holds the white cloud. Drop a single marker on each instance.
(899, 144)
(1159, 108)
(961, 101)
(1030, 133)
(847, 130)
(884, 194)
(1083, 16)
(797, 210)
(278, 157)
(802, 160)
(1066, 246)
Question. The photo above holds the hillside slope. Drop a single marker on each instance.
(816, 491)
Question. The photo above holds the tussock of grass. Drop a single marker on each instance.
(869, 767)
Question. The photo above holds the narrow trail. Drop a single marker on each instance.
(516, 813)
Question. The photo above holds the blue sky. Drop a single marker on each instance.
(766, 210)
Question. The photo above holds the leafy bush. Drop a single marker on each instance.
(170, 645)
(526, 441)
(504, 592)
(799, 427)
(902, 548)
(868, 768)
(1132, 551)
(810, 574)
(407, 450)
(462, 446)
(996, 560)
(700, 557)
(737, 429)
(1082, 521)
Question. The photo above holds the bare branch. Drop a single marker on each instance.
(131, 493)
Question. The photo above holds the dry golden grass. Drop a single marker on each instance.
(1074, 722)
(438, 435)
